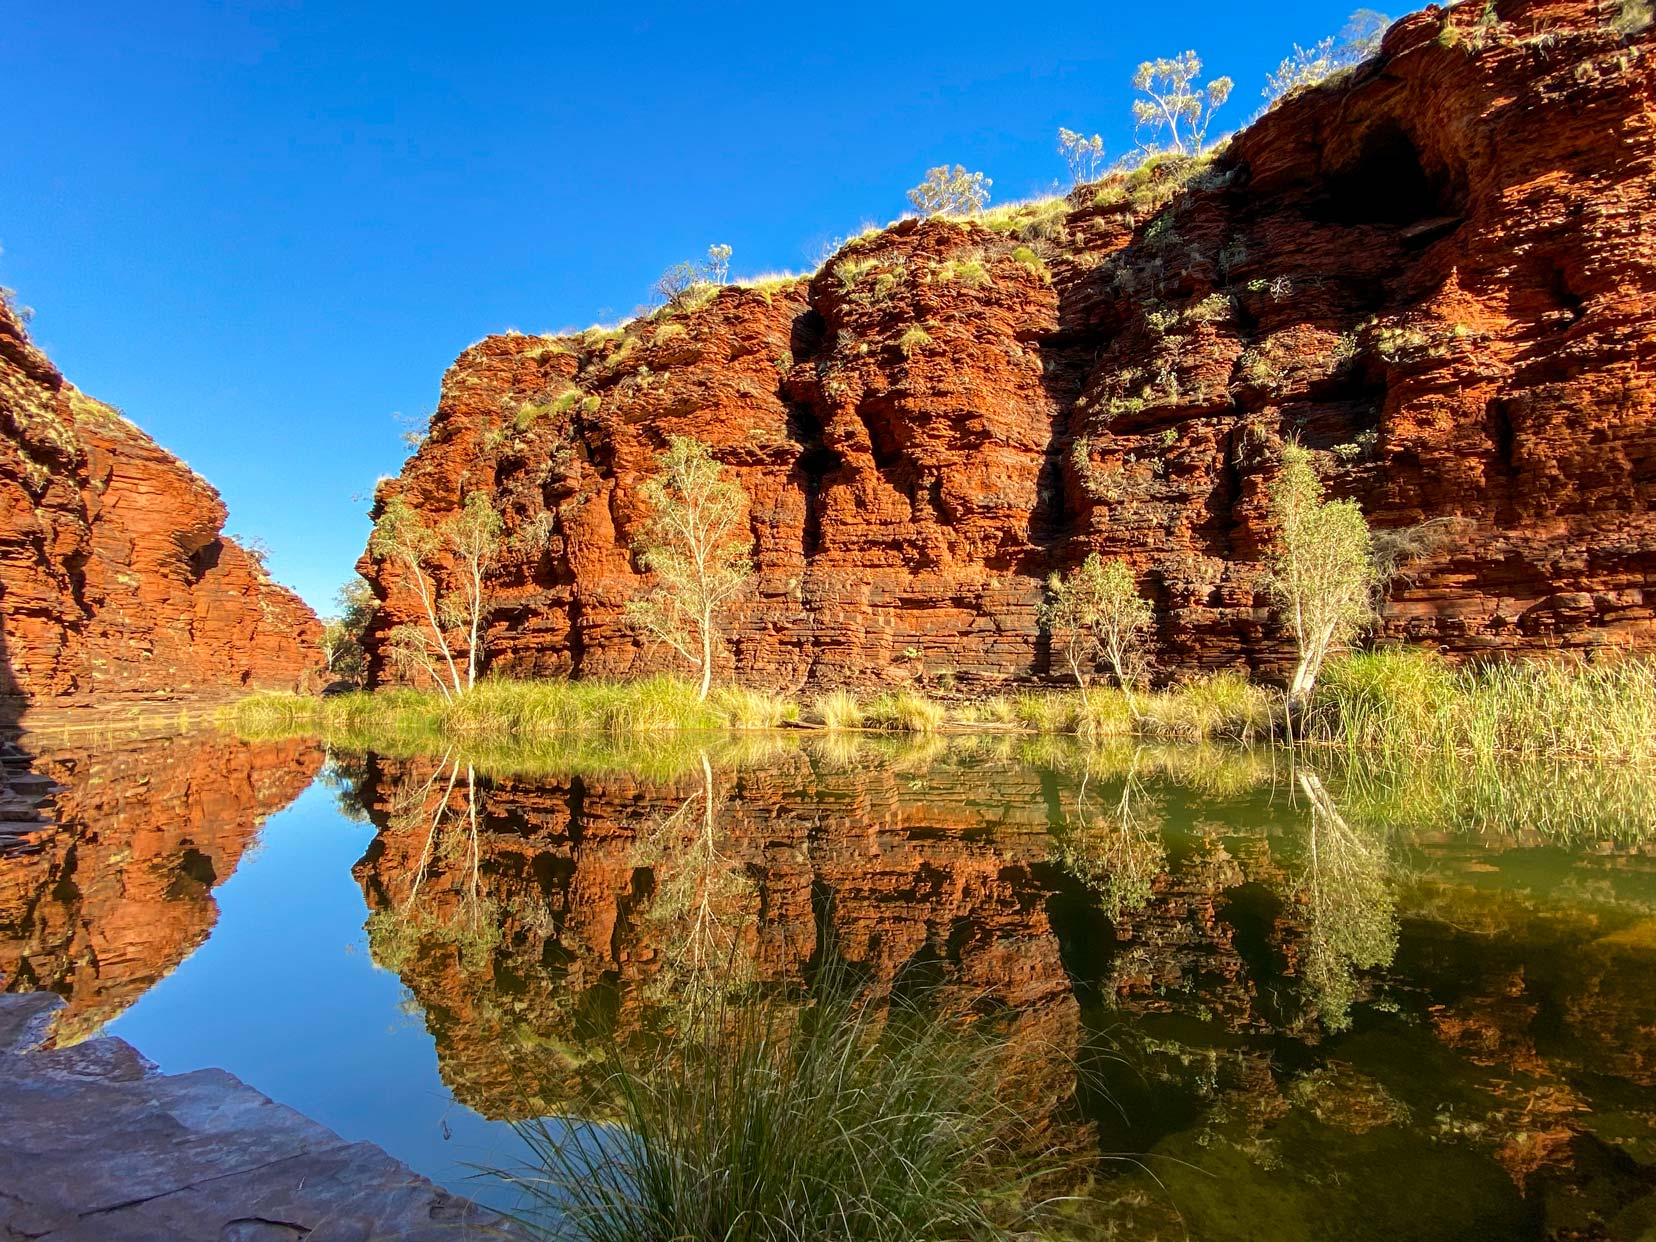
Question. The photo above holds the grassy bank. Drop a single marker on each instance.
(1226, 705)
(1407, 702)
(1385, 704)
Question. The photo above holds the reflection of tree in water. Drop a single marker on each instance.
(451, 843)
(702, 905)
(1350, 915)
(1115, 847)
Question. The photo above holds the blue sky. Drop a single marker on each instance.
(264, 227)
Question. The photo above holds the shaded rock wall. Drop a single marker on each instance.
(115, 580)
(1433, 270)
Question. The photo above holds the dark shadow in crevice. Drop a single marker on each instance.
(1388, 184)
(813, 470)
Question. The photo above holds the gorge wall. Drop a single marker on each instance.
(116, 582)
(1434, 270)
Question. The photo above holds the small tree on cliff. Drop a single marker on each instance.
(342, 634)
(1098, 611)
(470, 538)
(1323, 573)
(1175, 112)
(950, 192)
(696, 542)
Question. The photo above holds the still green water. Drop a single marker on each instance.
(1305, 1001)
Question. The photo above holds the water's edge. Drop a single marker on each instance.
(93, 1132)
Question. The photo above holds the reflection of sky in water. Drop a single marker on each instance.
(285, 996)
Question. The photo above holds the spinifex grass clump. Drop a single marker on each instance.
(766, 1123)
(906, 711)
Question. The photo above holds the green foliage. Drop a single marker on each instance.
(837, 1117)
(744, 708)
(1408, 701)
(9, 302)
(1114, 845)
(1322, 566)
(904, 711)
(1175, 115)
(850, 271)
(696, 542)
(1083, 156)
(1631, 17)
(839, 709)
(717, 266)
(950, 192)
(1031, 260)
(969, 270)
(470, 538)
(688, 286)
(1095, 612)
(1211, 309)
(1359, 40)
(914, 338)
(343, 633)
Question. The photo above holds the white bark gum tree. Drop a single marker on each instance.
(1323, 572)
(1098, 611)
(471, 537)
(696, 542)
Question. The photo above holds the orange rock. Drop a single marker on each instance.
(117, 583)
(1435, 271)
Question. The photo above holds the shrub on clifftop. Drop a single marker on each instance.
(950, 192)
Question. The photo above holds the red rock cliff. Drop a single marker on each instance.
(1434, 270)
(115, 581)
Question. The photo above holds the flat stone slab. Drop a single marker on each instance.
(96, 1146)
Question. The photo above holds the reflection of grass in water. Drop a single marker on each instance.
(1210, 770)
(772, 1121)
(1562, 802)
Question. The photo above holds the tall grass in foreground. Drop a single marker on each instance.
(767, 1123)
(1408, 701)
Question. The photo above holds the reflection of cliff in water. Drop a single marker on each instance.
(529, 918)
(612, 897)
(1256, 971)
(121, 892)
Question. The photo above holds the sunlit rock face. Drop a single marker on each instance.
(1434, 271)
(108, 902)
(119, 583)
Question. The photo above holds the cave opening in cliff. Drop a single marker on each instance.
(815, 463)
(1388, 184)
(205, 559)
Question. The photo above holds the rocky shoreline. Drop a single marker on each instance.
(95, 1143)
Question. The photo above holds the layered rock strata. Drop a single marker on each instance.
(116, 581)
(1433, 270)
